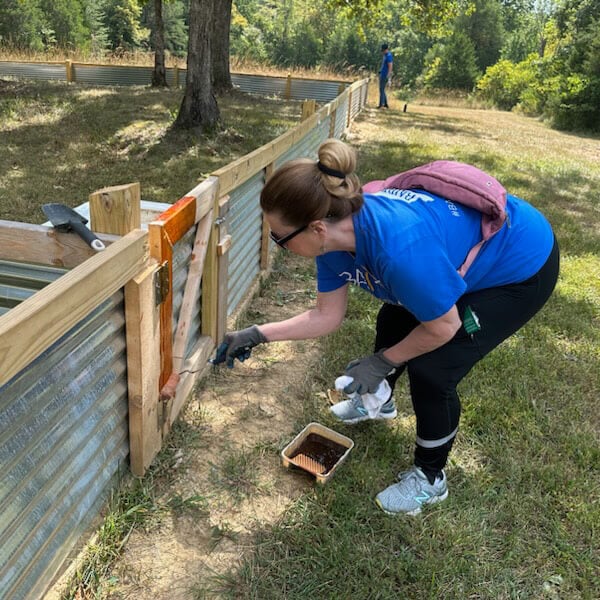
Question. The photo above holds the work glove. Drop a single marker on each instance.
(238, 344)
(367, 373)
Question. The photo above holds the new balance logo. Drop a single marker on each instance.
(422, 497)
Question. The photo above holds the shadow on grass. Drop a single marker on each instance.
(427, 123)
(61, 143)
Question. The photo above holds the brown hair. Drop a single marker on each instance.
(301, 193)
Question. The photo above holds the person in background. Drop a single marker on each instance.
(385, 74)
(404, 247)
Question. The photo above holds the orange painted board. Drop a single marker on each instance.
(179, 218)
(162, 250)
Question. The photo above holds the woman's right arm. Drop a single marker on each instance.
(324, 318)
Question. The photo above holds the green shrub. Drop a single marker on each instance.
(505, 83)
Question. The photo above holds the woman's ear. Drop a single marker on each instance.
(318, 226)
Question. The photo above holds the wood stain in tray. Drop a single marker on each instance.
(317, 450)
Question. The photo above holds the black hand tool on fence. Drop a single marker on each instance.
(64, 218)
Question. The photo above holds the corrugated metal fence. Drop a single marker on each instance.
(19, 281)
(63, 437)
(100, 75)
(63, 418)
(245, 228)
(182, 255)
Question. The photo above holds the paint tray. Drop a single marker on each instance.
(317, 450)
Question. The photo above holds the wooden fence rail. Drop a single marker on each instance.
(34, 325)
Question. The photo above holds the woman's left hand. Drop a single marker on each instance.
(367, 373)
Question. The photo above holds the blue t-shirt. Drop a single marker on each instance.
(387, 58)
(410, 243)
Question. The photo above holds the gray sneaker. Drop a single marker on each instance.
(411, 493)
(352, 411)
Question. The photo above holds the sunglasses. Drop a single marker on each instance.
(282, 241)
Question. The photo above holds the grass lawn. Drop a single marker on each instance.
(523, 516)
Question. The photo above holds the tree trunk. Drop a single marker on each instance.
(159, 75)
(221, 75)
(199, 107)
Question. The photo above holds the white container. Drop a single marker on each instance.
(289, 455)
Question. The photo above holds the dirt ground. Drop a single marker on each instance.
(238, 412)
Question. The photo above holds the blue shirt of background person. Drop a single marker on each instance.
(402, 234)
(385, 73)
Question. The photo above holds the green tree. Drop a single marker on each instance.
(427, 16)
(174, 16)
(21, 24)
(303, 47)
(199, 107)
(452, 64)
(484, 27)
(221, 75)
(122, 21)
(574, 101)
(66, 20)
(93, 14)
(522, 40)
(247, 32)
(176, 31)
(409, 56)
(345, 48)
(505, 82)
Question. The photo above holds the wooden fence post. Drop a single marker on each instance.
(222, 268)
(288, 87)
(349, 115)
(210, 281)
(116, 209)
(162, 251)
(70, 71)
(332, 118)
(142, 324)
(308, 108)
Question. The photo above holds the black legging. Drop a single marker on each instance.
(434, 376)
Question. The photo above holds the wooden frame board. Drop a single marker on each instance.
(35, 324)
(142, 324)
(38, 244)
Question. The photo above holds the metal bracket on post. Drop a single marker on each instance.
(161, 283)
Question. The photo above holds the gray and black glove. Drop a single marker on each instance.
(367, 373)
(238, 344)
